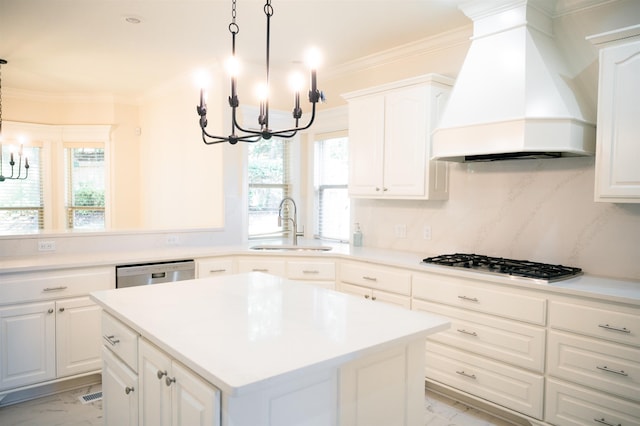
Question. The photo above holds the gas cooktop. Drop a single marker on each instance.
(501, 266)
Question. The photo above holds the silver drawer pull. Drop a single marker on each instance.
(609, 327)
(60, 288)
(111, 339)
(260, 270)
(161, 373)
(610, 370)
(365, 277)
(216, 271)
(311, 271)
(169, 380)
(604, 422)
(366, 296)
(50, 311)
(462, 373)
(128, 389)
(470, 299)
(470, 333)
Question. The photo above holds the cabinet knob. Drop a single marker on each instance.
(169, 380)
(366, 296)
(128, 389)
(377, 189)
(50, 311)
(61, 309)
(161, 373)
(373, 298)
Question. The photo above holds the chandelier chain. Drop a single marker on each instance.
(233, 27)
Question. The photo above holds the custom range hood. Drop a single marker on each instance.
(513, 97)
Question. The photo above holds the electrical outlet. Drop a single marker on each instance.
(173, 240)
(46, 246)
(426, 232)
(400, 231)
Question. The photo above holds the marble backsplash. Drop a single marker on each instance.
(540, 210)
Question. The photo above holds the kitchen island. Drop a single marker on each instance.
(260, 350)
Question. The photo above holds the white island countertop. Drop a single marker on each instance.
(244, 332)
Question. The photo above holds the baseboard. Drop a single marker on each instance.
(478, 404)
(26, 393)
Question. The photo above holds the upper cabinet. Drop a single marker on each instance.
(618, 147)
(390, 130)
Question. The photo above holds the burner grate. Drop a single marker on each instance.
(499, 265)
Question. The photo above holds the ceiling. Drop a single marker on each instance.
(87, 46)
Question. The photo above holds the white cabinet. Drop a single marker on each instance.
(170, 394)
(77, 336)
(593, 362)
(120, 390)
(214, 266)
(495, 348)
(49, 329)
(390, 140)
(381, 389)
(377, 283)
(269, 265)
(313, 271)
(27, 344)
(618, 150)
(119, 373)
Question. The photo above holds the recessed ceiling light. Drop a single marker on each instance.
(133, 19)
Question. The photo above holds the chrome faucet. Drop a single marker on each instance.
(293, 219)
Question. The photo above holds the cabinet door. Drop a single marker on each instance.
(267, 265)
(154, 367)
(214, 267)
(366, 140)
(77, 336)
(27, 344)
(120, 390)
(385, 388)
(406, 138)
(195, 402)
(618, 155)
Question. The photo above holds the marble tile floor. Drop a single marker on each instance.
(65, 409)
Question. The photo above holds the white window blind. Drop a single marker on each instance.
(85, 186)
(269, 178)
(331, 177)
(22, 201)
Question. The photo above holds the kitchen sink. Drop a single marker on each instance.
(290, 247)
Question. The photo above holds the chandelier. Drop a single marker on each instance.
(265, 132)
(12, 162)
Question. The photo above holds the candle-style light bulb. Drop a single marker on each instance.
(296, 81)
(313, 58)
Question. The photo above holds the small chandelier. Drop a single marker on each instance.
(12, 162)
(265, 132)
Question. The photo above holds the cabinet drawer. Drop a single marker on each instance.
(571, 405)
(502, 384)
(310, 270)
(480, 296)
(121, 340)
(214, 267)
(610, 322)
(387, 279)
(34, 286)
(266, 265)
(601, 365)
(509, 341)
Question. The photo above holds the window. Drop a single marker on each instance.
(269, 180)
(85, 186)
(331, 188)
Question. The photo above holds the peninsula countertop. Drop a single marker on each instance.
(243, 332)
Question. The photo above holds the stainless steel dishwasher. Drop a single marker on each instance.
(154, 273)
